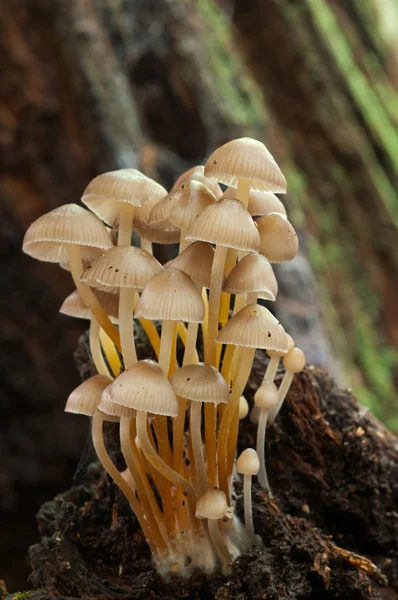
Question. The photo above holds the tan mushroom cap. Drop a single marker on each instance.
(85, 398)
(294, 360)
(73, 305)
(200, 382)
(212, 505)
(226, 223)
(145, 387)
(246, 158)
(243, 408)
(191, 203)
(290, 346)
(49, 236)
(260, 203)
(248, 462)
(278, 239)
(254, 327)
(253, 273)
(162, 209)
(196, 261)
(171, 296)
(197, 173)
(105, 193)
(121, 267)
(267, 396)
(167, 235)
(111, 409)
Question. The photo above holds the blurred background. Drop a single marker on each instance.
(88, 86)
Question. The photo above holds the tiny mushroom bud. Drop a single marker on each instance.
(248, 464)
(243, 408)
(213, 506)
(266, 398)
(278, 239)
(294, 362)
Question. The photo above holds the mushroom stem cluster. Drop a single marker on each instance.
(179, 417)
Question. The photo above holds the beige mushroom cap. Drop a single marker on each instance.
(226, 223)
(121, 267)
(85, 398)
(294, 360)
(212, 505)
(162, 209)
(246, 158)
(191, 203)
(278, 239)
(145, 387)
(196, 261)
(248, 462)
(171, 296)
(200, 382)
(267, 395)
(73, 305)
(260, 203)
(168, 234)
(105, 193)
(253, 273)
(243, 408)
(254, 327)
(112, 410)
(49, 236)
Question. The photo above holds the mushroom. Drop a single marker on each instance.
(243, 164)
(252, 327)
(248, 464)
(278, 239)
(260, 203)
(70, 234)
(73, 306)
(123, 269)
(113, 197)
(294, 362)
(243, 408)
(213, 506)
(266, 399)
(198, 383)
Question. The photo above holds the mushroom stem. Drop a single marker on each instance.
(205, 324)
(126, 326)
(190, 346)
(219, 543)
(184, 243)
(166, 343)
(152, 456)
(217, 273)
(76, 268)
(110, 353)
(227, 362)
(178, 436)
(251, 298)
(95, 348)
(260, 447)
(151, 333)
(126, 217)
(269, 375)
(197, 447)
(247, 500)
(243, 191)
(233, 439)
(211, 442)
(105, 460)
(282, 393)
(146, 245)
(247, 355)
(146, 497)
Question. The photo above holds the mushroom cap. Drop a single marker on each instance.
(167, 235)
(212, 505)
(290, 346)
(253, 273)
(267, 395)
(105, 193)
(260, 203)
(196, 261)
(48, 237)
(171, 296)
(197, 174)
(121, 267)
(278, 239)
(254, 327)
(162, 209)
(111, 409)
(226, 223)
(294, 361)
(145, 387)
(85, 398)
(248, 462)
(200, 382)
(243, 408)
(190, 204)
(74, 306)
(246, 158)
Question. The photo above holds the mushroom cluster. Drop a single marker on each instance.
(179, 417)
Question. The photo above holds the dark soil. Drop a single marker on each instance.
(334, 472)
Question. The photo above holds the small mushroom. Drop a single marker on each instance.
(213, 506)
(266, 399)
(248, 464)
(294, 362)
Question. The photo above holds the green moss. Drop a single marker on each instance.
(20, 596)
